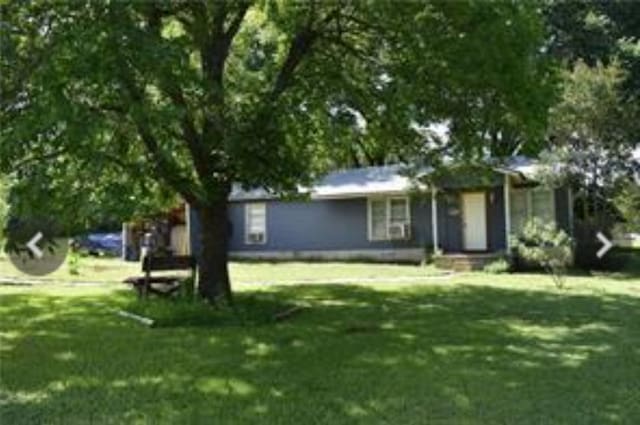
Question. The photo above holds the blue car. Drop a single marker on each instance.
(109, 244)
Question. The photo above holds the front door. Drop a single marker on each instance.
(474, 210)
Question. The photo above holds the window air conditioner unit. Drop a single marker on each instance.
(399, 231)
(257, 237)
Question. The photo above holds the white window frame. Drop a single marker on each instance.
(247, 208)
(529, 204)
(387, 200)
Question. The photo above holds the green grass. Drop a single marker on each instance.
(114, 270)
(475, 349)
(90, 269)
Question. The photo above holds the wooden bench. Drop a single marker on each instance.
(162, 285)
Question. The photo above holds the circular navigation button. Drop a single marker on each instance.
(36, 247)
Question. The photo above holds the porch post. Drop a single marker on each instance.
(434, 218)
(507, 211)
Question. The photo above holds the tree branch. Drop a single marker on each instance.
(300, 47)
(234, 26)
(163, 167)
(40, 158)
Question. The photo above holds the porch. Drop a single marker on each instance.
(472, 226)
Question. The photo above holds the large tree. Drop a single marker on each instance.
(595, 127)
(597, 31)
(200, 95)
(594, 131)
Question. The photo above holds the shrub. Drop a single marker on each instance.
(544, 245)
(497, 266)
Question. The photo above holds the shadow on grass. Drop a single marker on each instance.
(355, 355)
(248, 310)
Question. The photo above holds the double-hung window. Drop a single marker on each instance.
(543, 205)
(527, 204)
(389, 218)
(255, 223)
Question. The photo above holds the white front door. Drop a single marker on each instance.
(474, 217)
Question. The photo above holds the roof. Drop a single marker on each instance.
(363, 181)
(387, 179)
(521, 165)
(348, 183)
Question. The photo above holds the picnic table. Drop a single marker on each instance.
(163, 285)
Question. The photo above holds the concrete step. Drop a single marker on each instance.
(463, 262)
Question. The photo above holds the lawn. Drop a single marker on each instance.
(102, 270)
(473, 348)
(90, 269)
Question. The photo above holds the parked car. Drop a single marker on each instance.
(98, 244)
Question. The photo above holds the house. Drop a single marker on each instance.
(378, 213)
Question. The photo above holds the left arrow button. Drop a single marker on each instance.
(33, 245)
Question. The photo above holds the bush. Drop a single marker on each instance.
(546, 246)
(497, 267)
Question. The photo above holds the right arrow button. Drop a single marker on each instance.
(606, 245)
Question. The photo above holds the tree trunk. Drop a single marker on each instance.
(213, 273)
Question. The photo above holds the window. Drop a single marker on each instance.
(531, 203)
(255, 223)
(389, 218)
(378, 219)
(519, 210)
(542, 204)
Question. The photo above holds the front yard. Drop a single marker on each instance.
(472, 348)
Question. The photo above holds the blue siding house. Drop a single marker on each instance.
(378, 213)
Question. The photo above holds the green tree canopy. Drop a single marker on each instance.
(201, 95)
(594, 132)
(598, 32)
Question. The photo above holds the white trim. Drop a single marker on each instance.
(507, 211)
(394, 254)
(387, 200)
(247, 207)
(434, 219)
